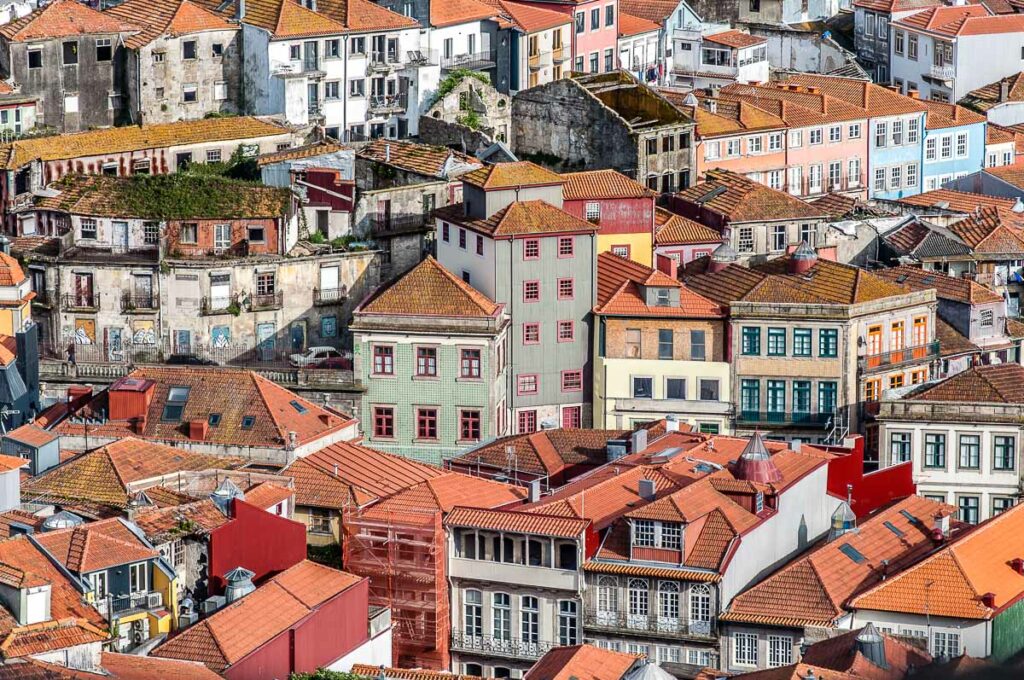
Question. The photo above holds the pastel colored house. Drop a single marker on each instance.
(675, 20)
(1000, 145)
(954, 143)
(622, 208)
(595, 34)
(716, 59)
(1001, 101)
(681, 239)
(542, 39)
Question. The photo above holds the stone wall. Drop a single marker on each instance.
(453, 135)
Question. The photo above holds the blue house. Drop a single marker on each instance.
(954, 143)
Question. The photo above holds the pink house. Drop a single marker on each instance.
(595, 33)
(826, 149)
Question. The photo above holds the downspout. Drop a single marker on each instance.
(344, 108)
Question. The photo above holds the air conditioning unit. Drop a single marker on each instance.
(185, 620)
(212, 604)
(154, 600)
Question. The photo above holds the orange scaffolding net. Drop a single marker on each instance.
(403, 554)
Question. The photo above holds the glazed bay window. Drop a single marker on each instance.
(776, 342)
(1004, 452)
(899, 447)
(934, 450)
(751, 341)
(970, 452)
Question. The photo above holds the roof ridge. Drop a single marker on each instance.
(258, 383)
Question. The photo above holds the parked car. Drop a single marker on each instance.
(342, 362)
(313, 355)
(189, 360)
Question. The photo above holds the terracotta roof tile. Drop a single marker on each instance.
(452, 12)
(266, 495)
(630, 25)
(620, 282)
(987, 96)
(135, 667)
(517, 522)
(1011, 174)
(997, 383)
(511, 175)
(672, 229)
(942, 115)
(730, 116)
(952, 342)
(842, 654)
(363, 15)
(650, 571)
(547, 452)
(519, 218)
(61, 19)
(991, 230)
(370, 671)
(946, 287)
(740, 199)
(429, 289)
(167, 17)
(96, 545)
(447, 491)
(873, 99)
(32, 434)
(735, 39)
(595, 184)
(797, 105)
(423, 159)
(962, 21)
(657, 11)
(960, 201)
(532, 18)
(49, 636)
(890, 6)
(163, 524)
(581, 662)
(301, 152)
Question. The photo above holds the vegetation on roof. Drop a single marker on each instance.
(452, 80)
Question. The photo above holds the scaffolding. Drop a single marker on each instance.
(403, 555)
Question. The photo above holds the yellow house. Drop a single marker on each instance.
(622, 208)
(15, 292)
(660, 351)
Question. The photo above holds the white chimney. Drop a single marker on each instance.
(647, 490)
(534, 489)
(671, 423)
(639, 440)
(795, 445)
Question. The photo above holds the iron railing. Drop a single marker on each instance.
(649, 624)
(80, 301)
(788, 418)
(496, 646)
(137, 303)
(267, 301)
(899, 357)
(211, 306)
(329, 296)
(387, 103)
(470, 60)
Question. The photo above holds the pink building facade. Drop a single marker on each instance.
(594, 31)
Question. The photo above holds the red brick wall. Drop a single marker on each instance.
(239, 236)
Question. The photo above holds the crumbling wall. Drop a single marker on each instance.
(453, 135)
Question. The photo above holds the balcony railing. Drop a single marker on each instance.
(387, 103)
(381, 225)
(943, 72)
(648, 624)
(787, 418)
(139, 303)
(80, 301)
(493, 646)
(475, 61)
(533, 61)
(114, 605)
(559, 54)
(267, 301)
(329, 296)
(899, 357)
(380, 62)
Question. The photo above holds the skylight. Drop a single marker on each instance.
(910, 518)
(297, 406)
(894, 529)
(852, 553)
(248, 422)
(213, 420)
(175, 406)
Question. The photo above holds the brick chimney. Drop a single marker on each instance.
(197, 430)
(667, 265)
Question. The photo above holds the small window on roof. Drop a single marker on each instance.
(297, 406)
(175, 406)
(213, 420)
(248, 422)
(910, 518)
(894, 529)
(178, 393)
(852, 553)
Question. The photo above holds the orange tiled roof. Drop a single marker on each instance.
(517, 522)
(987, 96)
(519, 218)
(531, 18)
(61, 19)
(1011, 174)
(891, 6)
(743, 200)
(11, 273)
(620, 569)
(730, 117)
(952, 581)
(873, 99)
(996, 384)
(797, 105)
(657, 11)
(672, 229)
(423, 159)
(942, 115)
(630, 25)
(370, 671)
(8, 463)
(32, 434)
(134, 138)
(594, 184)
(167, 17)
(300, 152)
(962, 21)
(511, 175)
(946, 287)
(96, 545)
(266, 495)
(102, 475)
(581, 662)
(428, 289)
(445, 492)
(345, 474)
(285, 18)
(237, 395)
(362, 15)
(991, 230)
(452, 12)
(952, 342)
(135, 667)
(842, 654)
(162, 524)
(959, 201)
(619, 286)
(19, 517)
(735, 39)
(225, 637)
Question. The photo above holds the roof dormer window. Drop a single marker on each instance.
(663, 297)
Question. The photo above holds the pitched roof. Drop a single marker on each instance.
(987, 96)
(423, 159)
(135, 667)
(163, 524)
(452, 12)
(61, 19)
(516, 219)
(891, 6)
(958, 201)
(942, 115)
(512, 175)
(517, 522)
(11, 273)
(231, 633)
(445, 492)
(672, 230)
(797, 105)
(266, 495)
(134, 138)
(96, 545)
(630, 25)
(814, 589)
(946, 287)
(595, 184)
(32, 434)
(657, 11)
(428, 289)
(370, 671)
(922, 240)
(312, 150)
(363, 15)
(254, 411)
(962, 21)
(741, 199)
(952, 581)
(951, 341)
(1011, 174)
(735, 39)
(176, 196)
(840, 657)
(581, 662)
(531, 18)
(167, 17)
(873, 99)
(345, 474)
(991, 230)
(620, 285)
(729, 117)
(996, 383)
(103, 475)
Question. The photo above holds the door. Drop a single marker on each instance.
(182, 342)
(265, 341)
(298, 336)
(143, 286)
(323, 221)
(313, 97)
(328, 283)
(113, 340)
(310, 60)
(83, 290)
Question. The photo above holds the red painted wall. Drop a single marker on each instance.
(257, 540)
(272, 661)
(329, 179)
(618, 215)
(872, 490)
(239, 237)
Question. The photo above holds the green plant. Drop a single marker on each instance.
(452, 80)
(470, 119)
(317, 237)
(234, 309)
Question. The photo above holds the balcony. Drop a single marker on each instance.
(114, 606)
(133, 304)
(214, 306)
(898, 357)
(387, 103)
(474, 61)
(943, 72)
(663, 406)
(513, 648)
(382, 63)
(80, 301)
(503, 572)
(533, 61)
(782, 418)
(267, 301)
(329, 296)
(400, 224)
(647, 625)
(559, 54)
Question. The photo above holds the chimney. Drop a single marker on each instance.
(534, 489)
(1004, 89)
(197, 430)
(811, 89)
(240, 10)
(989, 600)
(668, 266)
(638, 441)
(647, 490)
(940, 530)
(671, 423)
(293, 440)
(914, 94)
(795, 445)
(802, 259)
(5, 244)
(723, 256)
(325, 418)
(1017, 564)
(387, 153)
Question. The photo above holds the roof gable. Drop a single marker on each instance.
(61, 19)
(431, 290)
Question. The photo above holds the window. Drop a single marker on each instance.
(479, 244)
(883, 27)
(913, 127)
(776, 342)
(828, 342)
(189, 51)
(961, 145)
(912, 46)
(462, 238)
(745, 241)
(527, 422)
(869, 24)
(970, 452)
(808, 234)
(572, 381)
(643, 387)
(567, 621)
(754, 144)
(652, 146)
(593, 61)
(780, 650)
(565, 289)
(1004, 452)
(332, 48)
(104, 51)
(665, 349)
(712, 151)
(633, 343)
(138, 581)
(566, 245)
(751, 342)
(529, 615)
(899, 447)
(88, 228)
(879, 179)
(895, 381)
(609, 15)
(213, 156)
(319, 521)
(426, 362)
(595, 19)
(332, 89)
(912, 175)
(750, 396)
(175, 404)
(796, 138)
(930, 149)
(779, 237)
(668, 598)
(383, 360)
(357, 87)
(945, 645)
(708, 389)
(566, 331)
(531, 333)
(700, 603)
(946, 144)
(934, 450)
(470, 363)
(835, 134)
(897, 132)
(189, 92)
(474, 613)
(987, 318)
(801, 396)
(151, 233)
(531, 291)
(801, 342)
(675, 388)
(35, 57)
(881, 134)
(776, 396)
(698, 351)
(531, 249)
(426, 423)
(895, 177)
(968, 506)
(744, 649)
(248, 422)
(469, 426)
(526, 384)
(732, 147)
(814, 136)
(69, 53)
(1001, 504)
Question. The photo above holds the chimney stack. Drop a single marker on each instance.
(638, 440)
(534, 489)
(240, 10)
(940, 530)
(989, 600)
(802, 259)
(671, 423)
(1017, 564)
(1004, 89)
(647, 490)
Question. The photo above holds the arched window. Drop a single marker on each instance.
(607, 595)
(639, 603)
(668, 602)
(700, 602)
